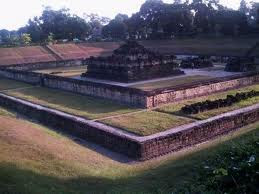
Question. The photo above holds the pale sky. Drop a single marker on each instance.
(16, 13)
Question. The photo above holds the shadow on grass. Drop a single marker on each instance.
(91, 106)
(179, 114)
(16, 180)
(162, 179)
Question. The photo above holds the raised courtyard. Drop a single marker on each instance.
(128, 99)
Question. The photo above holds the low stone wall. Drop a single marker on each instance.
(132, 96)
(192, 134)
(123, 95)
(45, 65)
(140, 148)
(189, 91)
(81, 128)
(24, 76)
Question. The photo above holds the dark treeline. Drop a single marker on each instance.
(155, 20)
(158, 20)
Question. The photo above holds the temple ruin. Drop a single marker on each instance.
(132, 62)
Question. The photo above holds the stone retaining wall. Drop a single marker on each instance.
(75, 126)
(45, 65)
(132, 96)
(195, 133)
(189, 91)
(140, 148)
(24, 76)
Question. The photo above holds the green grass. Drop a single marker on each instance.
(170, 116)
(6, 84)
(170, 83)
(175, 108)
(147, 123)
(85, 106)
(34, 161)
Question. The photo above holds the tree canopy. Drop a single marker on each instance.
(154, 20)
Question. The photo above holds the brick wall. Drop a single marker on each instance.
(24, 76)
(123, 95)
(140, 148)
(45, 65)
(183, 92)
(132, 96)
(73, 126)
(176, 140)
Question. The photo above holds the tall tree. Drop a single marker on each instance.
(25, 39)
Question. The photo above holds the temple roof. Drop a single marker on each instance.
(132, 48)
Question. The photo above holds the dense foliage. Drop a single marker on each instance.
(155, 20)
(55, 25)
(210, 105)
(233, 170)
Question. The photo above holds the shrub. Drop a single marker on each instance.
(220, 103)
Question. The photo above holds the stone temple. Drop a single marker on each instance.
(132, 62)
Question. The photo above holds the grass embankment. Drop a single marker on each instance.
(35, 159)
(65, 71)
(169, 116)
(204, 46)
(6, 84)
(85, 106)
(170, 82)
(142, 123)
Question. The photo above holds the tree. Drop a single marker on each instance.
(231, 22)
(34, 29)
(25, 39)
(50, 38)
(115, 29)
(4, 36)
(63, 25)
(121, 17)
(96, 24)
(243, 7)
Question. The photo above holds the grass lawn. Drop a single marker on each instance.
(35, 159)
(170, 83)
(7, 84)
(65, 71)
(170, 116)
(85, 106)
(147, 123)
(175, 108)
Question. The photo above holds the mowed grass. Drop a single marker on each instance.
(164, 118)
(85, 106)
(147, 123)
(65, 71)
(6, 84)
(35, 159)
(170, 82)
(176, 107)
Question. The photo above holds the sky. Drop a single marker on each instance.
(16, 13)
